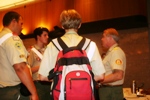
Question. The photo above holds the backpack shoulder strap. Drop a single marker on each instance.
(84, 43)
(59, 44)
(62, 43)
(88, 43)
(5, 37)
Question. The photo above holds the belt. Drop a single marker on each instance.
(42, 82)
(109, 85)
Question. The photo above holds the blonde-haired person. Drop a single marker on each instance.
(71, 22)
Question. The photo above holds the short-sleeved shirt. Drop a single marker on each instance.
(34, 59)
(12, 51)
(115, 59)
(71, 39)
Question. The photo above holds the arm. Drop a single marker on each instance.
(31, 60)
(115, 76)
(43, 78)
(99, 77)
(48, 62)
(23, 73)
(98, 67)
(34, 69)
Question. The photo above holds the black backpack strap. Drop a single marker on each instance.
(81, 43)
(59, 44)
(62, 43)
(84, 43)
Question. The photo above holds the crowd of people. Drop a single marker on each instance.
(31, 66)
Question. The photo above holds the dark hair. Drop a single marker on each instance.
(38, 31)
(70, 19)
(9, 16)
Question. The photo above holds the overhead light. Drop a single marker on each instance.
(5, 4)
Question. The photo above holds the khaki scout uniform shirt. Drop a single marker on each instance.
(71, 39)
(115, 59)
(12, 51)
(34, 60)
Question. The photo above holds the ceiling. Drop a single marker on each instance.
(7, 4)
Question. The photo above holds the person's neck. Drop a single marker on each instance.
(40, 45)
(13, 32)
(71, 30)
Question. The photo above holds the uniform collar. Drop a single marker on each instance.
(112, 47)
(6, 30)
(71, 32)
(38, 48)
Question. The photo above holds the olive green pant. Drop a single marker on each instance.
(111, 93)
(12, 93)
(43, 90)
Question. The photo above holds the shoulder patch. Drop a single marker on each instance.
(18, 45)
(118, 62)
(22, 56)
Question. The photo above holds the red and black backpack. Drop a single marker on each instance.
(72, 75)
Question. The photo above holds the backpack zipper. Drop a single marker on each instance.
(71, 79)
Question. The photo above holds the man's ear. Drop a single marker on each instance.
(37, 37)
(79, 26)
(62, 27)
